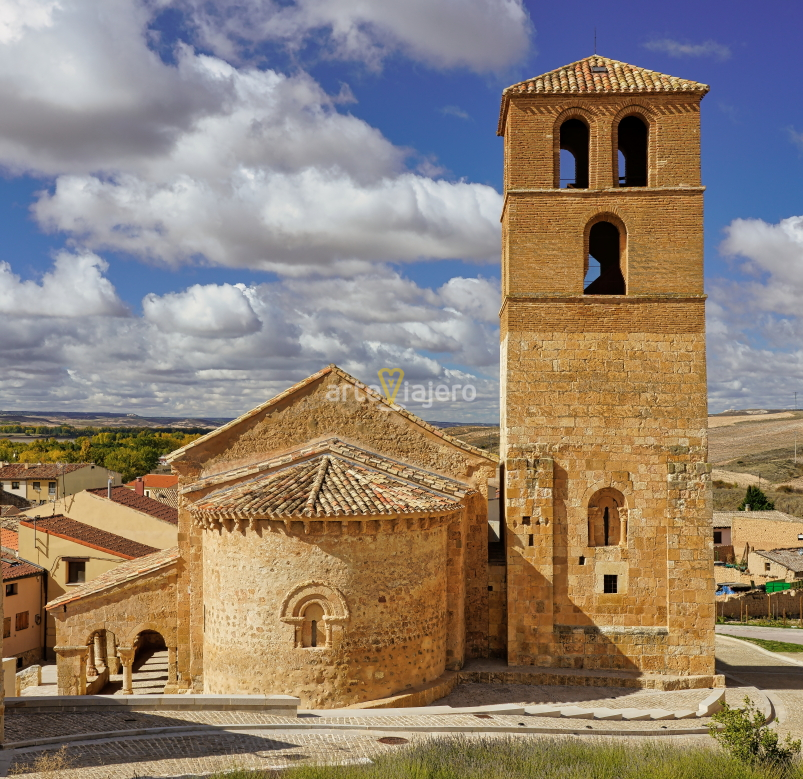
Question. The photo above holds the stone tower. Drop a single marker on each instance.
(604, 415)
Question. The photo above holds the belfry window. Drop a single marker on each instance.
(632, 142)
(573, 155)
(603, 266)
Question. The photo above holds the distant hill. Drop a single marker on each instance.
(104, 419)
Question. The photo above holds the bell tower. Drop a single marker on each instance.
(604, 406)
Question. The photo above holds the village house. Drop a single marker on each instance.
(776, 564)
(121, 511)
(72, 553)
(24, 601)
(40, 483)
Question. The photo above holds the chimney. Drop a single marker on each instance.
(139, 487)
(109, 488)
(747, 507)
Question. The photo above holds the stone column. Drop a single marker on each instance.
(71, 669)
(100, 661)
(91, 670)
(111, 654)
(127, 658)
(172, 671)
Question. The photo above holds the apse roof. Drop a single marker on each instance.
(334, 479)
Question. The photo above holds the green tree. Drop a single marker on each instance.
(757, 500)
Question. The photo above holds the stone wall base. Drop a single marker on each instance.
(443, 685)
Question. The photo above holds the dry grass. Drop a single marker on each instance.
(47, 765)
(519, 758)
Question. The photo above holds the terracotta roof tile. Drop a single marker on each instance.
(157, 481)
(792, 559)
(331, 479)
(121, 574)
(10, 539)
(169, 497)
(17, 568)
(94, 537)
(39, 470)
(582, 77)
(127, 497)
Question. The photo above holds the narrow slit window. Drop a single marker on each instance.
(573, 155)
(603, 265)
(632, 142)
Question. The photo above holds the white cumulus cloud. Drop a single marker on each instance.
(207, 311)
(76, 287)
(481, 35)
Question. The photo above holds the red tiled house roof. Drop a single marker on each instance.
(127, 497)
(39, 470)
(10, 539)
(86, 535)
(16, 568)
(121, 574)
(157, 481)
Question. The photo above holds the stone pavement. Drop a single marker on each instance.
(780, 679)
(211, 741)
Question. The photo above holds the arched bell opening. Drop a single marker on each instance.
(632, 142)
(574, 138)
(603, 266)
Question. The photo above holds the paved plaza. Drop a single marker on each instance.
(125, 745)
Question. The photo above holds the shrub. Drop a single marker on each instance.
(749, 739)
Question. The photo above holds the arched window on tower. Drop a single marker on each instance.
(313, 629)
(603, 264)
(607, 518)
(632, 142)
(573, 155)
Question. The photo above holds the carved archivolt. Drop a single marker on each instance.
(313, 597)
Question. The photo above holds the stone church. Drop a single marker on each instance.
(334, 546)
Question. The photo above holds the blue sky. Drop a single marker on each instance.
(204, 202)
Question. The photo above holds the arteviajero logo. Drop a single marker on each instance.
(399, 392)
(391, 380)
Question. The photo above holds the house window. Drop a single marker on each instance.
(51, 488)
(21, 621)
(766, 566)
(76, 571)
(37, 485)
(11, 589)
(610, 583)
(6, 627)
(717, 536)
(15, 485)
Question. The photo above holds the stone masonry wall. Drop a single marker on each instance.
(764, 534)
(393, 581)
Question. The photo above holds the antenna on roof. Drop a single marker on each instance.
(595, 40)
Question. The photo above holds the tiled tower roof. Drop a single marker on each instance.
(329, 484)
(599, 75)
